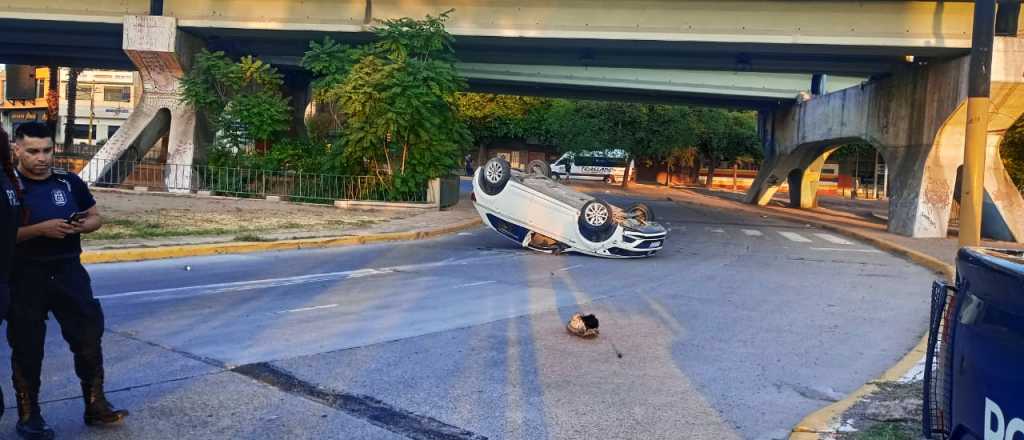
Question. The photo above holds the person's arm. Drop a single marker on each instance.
(92, 220)
(54, 228)
(90, 223)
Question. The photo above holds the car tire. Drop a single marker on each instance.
(607, 179)
(641, 212)
(539, 167)
(494, 175)
(596, 223)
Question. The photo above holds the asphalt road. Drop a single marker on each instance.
(738, 329)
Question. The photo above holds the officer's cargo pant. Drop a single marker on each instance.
(64, 288)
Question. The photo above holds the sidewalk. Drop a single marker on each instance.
(357, 227)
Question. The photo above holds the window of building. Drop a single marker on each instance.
(117, 93)
(111, 129)
(81, 131)
(40, 88)
(84, 92)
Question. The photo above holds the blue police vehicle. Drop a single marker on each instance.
(974, 369)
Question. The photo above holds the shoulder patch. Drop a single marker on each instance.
(56, 170)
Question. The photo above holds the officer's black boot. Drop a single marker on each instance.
(98, 411)
(31, 425)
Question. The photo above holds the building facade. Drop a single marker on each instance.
(17, 108)
(105, 99)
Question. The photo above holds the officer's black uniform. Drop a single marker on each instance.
(48, 276)
(10, 210)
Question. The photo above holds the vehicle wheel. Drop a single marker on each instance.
(495, 175)
(539, 167)
(596, 222)
(641, 212)
(607, 179)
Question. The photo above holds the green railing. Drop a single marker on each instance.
(242, 182)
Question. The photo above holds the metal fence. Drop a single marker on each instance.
(241, 182)
(938, 363)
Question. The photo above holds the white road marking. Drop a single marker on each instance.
(833, 239)
(564, 269)
(752, 232)
(793, 236)
(718, 230)
(465, 233)
(239, 286)
(306, 309)
(867, 251)
(480, 283)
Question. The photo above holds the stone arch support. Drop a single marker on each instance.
(916, 118)
(162, 54)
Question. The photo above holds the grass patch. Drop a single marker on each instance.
(120, 228)
(889, 431)
(250, 237)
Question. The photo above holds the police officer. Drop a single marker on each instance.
(48, 276)
(9, 219)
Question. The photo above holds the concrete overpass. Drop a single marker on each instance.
(660, 50)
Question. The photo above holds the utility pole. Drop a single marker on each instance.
(979, 82)
(875, 179)
(72, 94)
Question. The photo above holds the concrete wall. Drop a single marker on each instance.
(916, 118)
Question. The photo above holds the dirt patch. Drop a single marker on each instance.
(141, 215)
(891, 413)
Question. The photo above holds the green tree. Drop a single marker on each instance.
(725, 136)
(1012, 151)
(237, 96)
(398, 101)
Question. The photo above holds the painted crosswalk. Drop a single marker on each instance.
(793, 236)
(818, 241)
(833, 239)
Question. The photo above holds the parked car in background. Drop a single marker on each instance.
(608, 166)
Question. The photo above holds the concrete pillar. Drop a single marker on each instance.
(297, 88)
(161, 53)
(803, 188)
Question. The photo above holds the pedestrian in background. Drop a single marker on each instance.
(9, 220)
(48, 276)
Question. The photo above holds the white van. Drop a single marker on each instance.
(608, 165)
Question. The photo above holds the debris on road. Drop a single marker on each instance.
(584, 326)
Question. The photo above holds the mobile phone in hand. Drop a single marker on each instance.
(78, 216)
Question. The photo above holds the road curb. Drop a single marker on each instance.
(822, 421)
(236, 247)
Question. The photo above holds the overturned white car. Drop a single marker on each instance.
(543, 215)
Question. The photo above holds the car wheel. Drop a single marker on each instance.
(607, 179)
(641, 212)
(495, 175)
(539, 167)
(596, 222)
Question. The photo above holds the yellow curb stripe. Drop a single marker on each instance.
(164, 252)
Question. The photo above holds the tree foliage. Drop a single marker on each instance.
(245, 93)
(397, 99)
(1012, 151)
(657, 133)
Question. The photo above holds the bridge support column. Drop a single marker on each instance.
(297, 86)
(801, 169)
(161, 54)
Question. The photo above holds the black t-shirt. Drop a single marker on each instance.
(57, 196)
(10, 217)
